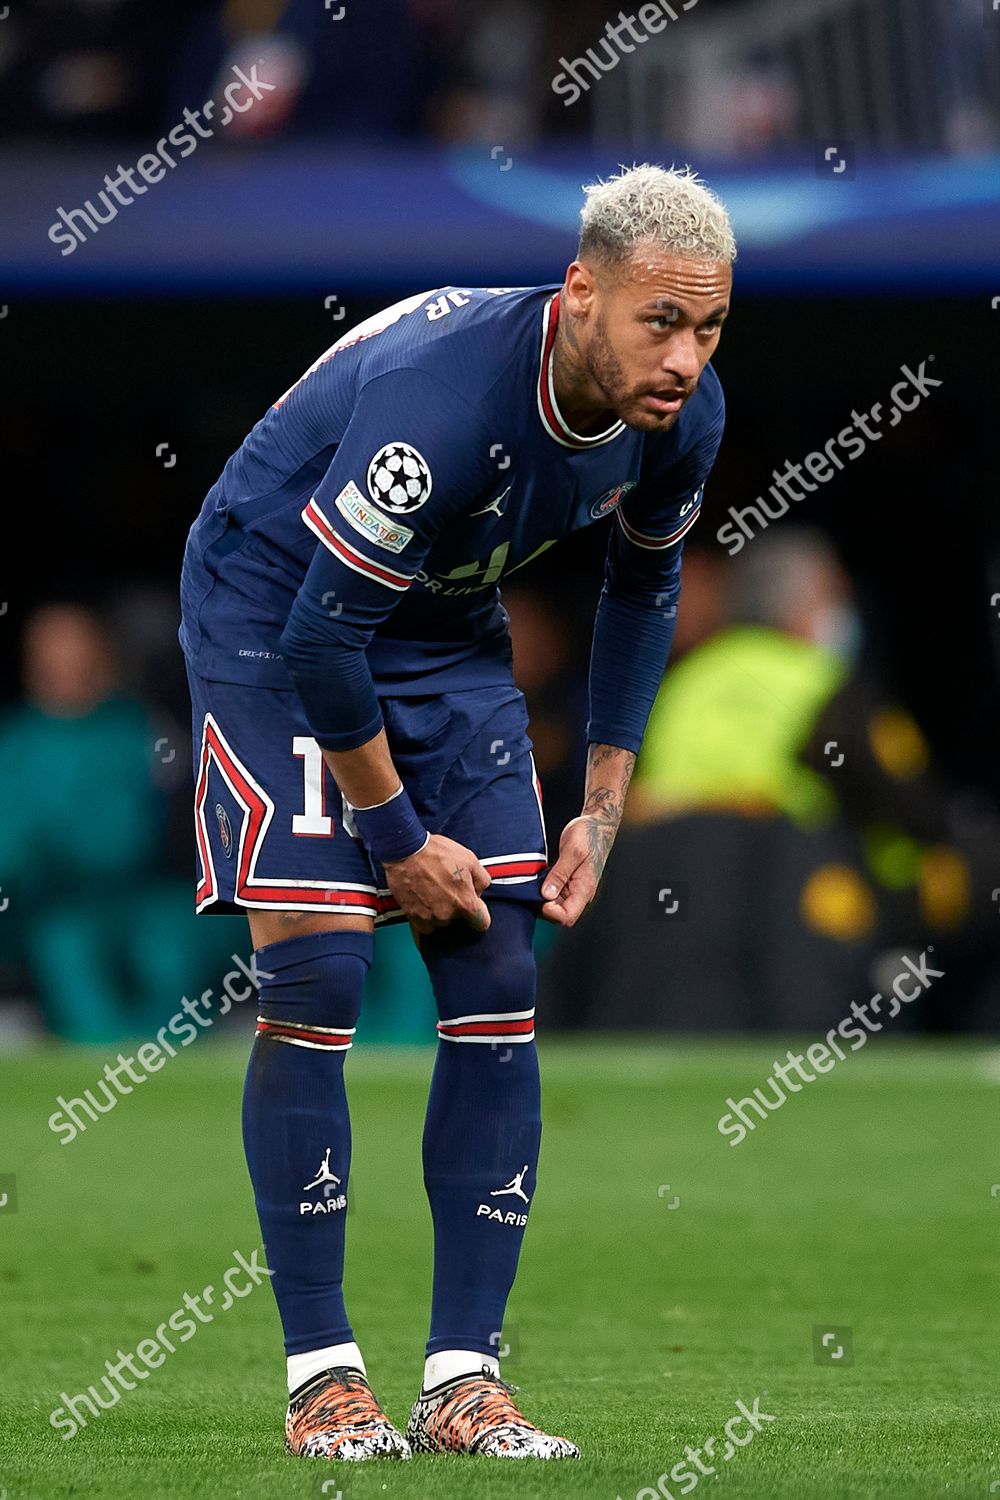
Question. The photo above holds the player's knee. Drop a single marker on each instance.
(313, 981)
(489, 975)
(510, 980)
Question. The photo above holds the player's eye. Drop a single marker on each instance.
(662, 320)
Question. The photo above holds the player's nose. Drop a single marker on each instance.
(681, 362)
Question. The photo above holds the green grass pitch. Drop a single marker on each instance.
(665, 1276)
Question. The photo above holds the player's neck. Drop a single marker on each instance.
(579, 399)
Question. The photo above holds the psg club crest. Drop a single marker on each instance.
(225, 829)
(399, 478)
(609, 502)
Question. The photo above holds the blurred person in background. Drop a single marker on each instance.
(793, 831)
(727, 827)
(748, 696)
(363, 71)
(789, 719)
(966, 76)
(110, 944)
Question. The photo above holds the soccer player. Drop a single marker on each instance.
(362, 756)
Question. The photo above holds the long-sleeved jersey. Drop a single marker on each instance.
(354, 545)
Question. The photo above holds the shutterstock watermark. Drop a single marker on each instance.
(152, 166)
(851, 442)
(689, 1471)
(70, 1118)
(917, 977)
(149, 1354)
(652, 18)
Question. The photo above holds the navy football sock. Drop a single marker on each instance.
(483, 1123)
(296, 1127)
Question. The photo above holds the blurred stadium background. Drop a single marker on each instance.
(819, 788)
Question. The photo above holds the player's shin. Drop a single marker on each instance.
(482, 1132)
(296, 1132)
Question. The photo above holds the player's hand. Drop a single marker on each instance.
(442, 881)
(571, 884)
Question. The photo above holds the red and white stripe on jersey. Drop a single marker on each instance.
(490, 1027)
(503, 869)
(258, 813)
(335, 543)
(552, 418)
(298, 1034)
(513, 869)
(657, 543)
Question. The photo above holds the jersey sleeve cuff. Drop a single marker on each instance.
(350, 739)
(611, 734)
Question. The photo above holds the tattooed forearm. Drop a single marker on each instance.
(600, 837)
(609, 771)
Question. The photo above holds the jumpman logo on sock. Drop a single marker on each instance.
(513, 1186)
(324, 1174)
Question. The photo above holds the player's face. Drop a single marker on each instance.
(650, 331)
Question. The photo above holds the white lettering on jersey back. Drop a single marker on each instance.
(442, 305)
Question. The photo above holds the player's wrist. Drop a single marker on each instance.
(391, 830)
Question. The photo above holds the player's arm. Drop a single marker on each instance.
(586, 841)
(633, 632)
(367, 558)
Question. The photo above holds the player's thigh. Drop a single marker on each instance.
(466, 760)
(269, 819)
(275, 926)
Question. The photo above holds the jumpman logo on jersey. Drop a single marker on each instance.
(324, 1174)
(513, 1186)
(494, 506)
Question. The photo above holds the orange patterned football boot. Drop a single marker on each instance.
(336, 1415)
(475, 1414)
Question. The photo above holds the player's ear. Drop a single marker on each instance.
(579, 289)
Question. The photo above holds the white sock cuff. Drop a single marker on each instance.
(449, 1364)
(302, 1367)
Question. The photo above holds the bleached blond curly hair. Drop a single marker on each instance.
(668, 207)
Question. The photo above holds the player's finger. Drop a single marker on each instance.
(571, 902)
(477, 915)
(480, 879)
(562, 913)
(574, 904)
(557, 880)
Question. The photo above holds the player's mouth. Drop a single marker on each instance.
(666, 402)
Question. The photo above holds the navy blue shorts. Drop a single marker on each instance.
(271, 826)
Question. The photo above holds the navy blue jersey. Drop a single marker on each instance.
(354, 545)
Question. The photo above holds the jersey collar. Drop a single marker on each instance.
(552, 418)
